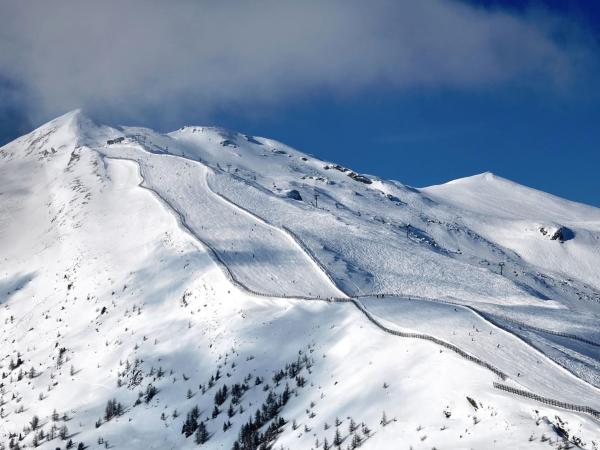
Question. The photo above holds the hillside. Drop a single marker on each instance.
(211, 269)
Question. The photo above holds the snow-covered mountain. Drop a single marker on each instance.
(209, 288)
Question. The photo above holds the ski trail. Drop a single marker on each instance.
(290, 234)
(214, 253)
(262, 257)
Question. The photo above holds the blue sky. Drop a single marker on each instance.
(422, 94)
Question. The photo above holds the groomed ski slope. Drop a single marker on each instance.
(261, 257)
(531, 370)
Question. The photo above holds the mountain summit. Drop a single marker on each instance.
(208, 287)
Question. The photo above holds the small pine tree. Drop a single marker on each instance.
(366, 430)
(352, 425)
(337, 439)
(201, 434)
(356, 441)
(151, 391)
(384, 420)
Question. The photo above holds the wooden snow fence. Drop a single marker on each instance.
(433, 339)
(548, 401)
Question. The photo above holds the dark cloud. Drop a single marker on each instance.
(161, 58)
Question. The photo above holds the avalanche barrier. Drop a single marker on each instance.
(548, 401)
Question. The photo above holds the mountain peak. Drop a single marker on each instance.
(494, 195)
(70, 118)
(486, 176)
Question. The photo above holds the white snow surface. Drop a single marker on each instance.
(206, 250)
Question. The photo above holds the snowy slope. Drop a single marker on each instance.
(164, 260)
(385, 237)
(517, 218)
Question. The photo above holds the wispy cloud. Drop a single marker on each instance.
(163, 58)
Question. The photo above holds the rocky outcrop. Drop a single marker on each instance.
(358, 177)
(563, 234)
(294, 195)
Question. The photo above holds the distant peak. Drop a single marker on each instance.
(481, 177)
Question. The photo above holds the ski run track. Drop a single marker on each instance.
(299, 256)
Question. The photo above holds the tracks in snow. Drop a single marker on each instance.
(214, 253)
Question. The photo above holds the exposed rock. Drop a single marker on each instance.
(395, 199)
(294, 195)
(361, 178)
(252, 139)
(228, 143)
(115, 141)
(563, 234)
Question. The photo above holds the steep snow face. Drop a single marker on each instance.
(154, 272)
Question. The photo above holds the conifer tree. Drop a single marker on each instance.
(384, 420)
(201, 434)
(63, 433)
(337, 439)
(352, 425)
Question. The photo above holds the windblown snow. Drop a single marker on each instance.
(206, 288)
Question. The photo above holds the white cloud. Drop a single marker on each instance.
(163, 58)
